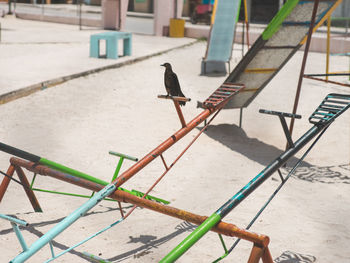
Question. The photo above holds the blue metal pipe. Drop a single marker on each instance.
(14, 220)
(83, 241)
(65, 223)
(19, 236)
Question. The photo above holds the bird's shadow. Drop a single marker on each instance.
(237, 140)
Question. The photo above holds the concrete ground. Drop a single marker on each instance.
(77, 122)
(41, 54)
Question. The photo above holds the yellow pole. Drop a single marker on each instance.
(328, 45)
(214, 11)
(246, 20)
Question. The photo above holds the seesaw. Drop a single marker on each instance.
(332, 106)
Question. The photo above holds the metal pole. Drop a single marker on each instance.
(9, 12)
(306, 52)
(80, 7)
(240, 196)
(246, 20)
(222, 227)
(328, 46)
(64, 224)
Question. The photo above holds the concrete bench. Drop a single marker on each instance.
(111, 44)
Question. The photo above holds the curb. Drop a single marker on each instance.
(26, 91)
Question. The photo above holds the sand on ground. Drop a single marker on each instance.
(78, 122)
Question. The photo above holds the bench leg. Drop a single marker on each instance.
(94, 48)
(112, 48)
(127, 47)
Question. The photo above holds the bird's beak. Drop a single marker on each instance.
(163, 65)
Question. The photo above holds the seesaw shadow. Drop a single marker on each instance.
(237, 140)
(151, 242)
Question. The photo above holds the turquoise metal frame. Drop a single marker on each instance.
(15, 222)
(64, 224)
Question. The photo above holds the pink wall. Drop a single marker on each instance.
(110, 14)
(163, 11)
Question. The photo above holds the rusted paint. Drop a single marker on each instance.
(5, 182)
(266, 257)
(222, 227)
(179, 113)
(161, 148)
(256, 254)
(27, 189)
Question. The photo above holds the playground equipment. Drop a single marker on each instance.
(328, 74)
(284, 35)
(29, 188)
(325, 114)
(330, 108)
(221, 37)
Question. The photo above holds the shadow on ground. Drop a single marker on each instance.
(292, 257)
(150, 242)
(237, 140)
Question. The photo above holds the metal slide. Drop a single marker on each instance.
(284, 35)
(222, 34)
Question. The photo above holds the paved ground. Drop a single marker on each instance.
(34, 52)
(78, 122)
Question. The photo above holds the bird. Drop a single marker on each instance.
(171, 82)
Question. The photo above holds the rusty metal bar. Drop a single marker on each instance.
(163, 160)
(174, 98)
(256, 254)
(179, 113)
(266, 257)
(328, 81)
(221, 228)
(5, 182)
(174, 162)
(302, 69)
(163, 147)
(32, 198)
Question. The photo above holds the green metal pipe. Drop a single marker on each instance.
(118, 168)
(65, 169)
(195, 235)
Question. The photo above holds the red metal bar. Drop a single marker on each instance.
(27, 189)
(5, 182)
(173, 98)
(266, 257)
(179, 113)
(221, 228)
(162, 147)
(165, 165)
(121, 209)
(255, 254)
(302, 69)
(180, 155)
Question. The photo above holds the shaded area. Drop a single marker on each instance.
(292, 257)
(323, 174)
(148, 242)
(237, 140)
(32, 228)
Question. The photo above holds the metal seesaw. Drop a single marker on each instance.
(330, 108)
(212, 105)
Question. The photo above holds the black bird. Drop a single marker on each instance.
(172, 84)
